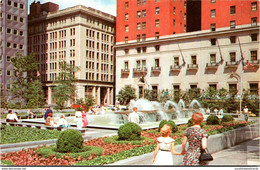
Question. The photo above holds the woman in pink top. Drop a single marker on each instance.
(84, 118)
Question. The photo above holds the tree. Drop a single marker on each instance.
(65, 90)
(89, 101)
(35, 95)
(24, 73)
(150, 95)
(126, 94)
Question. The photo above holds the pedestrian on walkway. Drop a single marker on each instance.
(134, 117)
(84, 119)
(246, 113)
(78, 119)
(164, 151)
(197, 138)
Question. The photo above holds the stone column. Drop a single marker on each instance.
(94, 92)
(112, 95)
(80, 92)
(108, 96)
(98, 95)
(49, 95)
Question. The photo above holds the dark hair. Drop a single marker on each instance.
(9, 111)
(15, 112)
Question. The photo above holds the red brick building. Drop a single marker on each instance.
(141, 19)
(218, 13)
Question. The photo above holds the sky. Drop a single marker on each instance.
(108, 6)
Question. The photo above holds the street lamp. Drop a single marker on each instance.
(238, 77)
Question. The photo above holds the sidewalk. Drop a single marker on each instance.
(246, 153)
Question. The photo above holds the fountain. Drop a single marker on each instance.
(150, 114)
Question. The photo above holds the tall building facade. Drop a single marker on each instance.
(82, 37)
(202, 58)
(13, 37)
(144, 19)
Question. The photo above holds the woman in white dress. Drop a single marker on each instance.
(164, 151)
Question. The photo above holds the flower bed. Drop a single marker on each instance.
(112, 151)
(15, 134)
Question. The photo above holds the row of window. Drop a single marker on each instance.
(13, 17)
(140, 2)
(102, 77)
(14, 4)
(13, 45)
(12, 31)
(104, 67)
(232, 58)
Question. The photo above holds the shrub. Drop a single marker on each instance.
(70, 141)
(227, 118)
(129, 131)
(169, 122)
(213, 120)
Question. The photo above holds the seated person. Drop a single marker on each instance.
(50, 120)
(30, 113)
(11, 117)
(63, 122)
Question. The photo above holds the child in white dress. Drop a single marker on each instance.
(164, 151)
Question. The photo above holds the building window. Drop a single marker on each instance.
(143, 25)
(126, 17)
(157, 35)
(254, 88)
(253, 55)
(174, 10)
(21, 6)
(126, 39)
(9, 16)
(126, 5)
(157, 63)
(254, 37)
(157, 10)
(15, 18)
(21, 19)
(176, 61)
(144, 13)
(8, 73)
(212, 58)
(9, 2)
(232, 9)
(21, 33)
(232, 24)
(138, 26)
(138, 38)
(8, 30)
(194, 59)
(8, 58)
(157, 48)
(144, 2)
(126, 28)
(20, 46)
(232, 56)
(138, 50)
(254, 6)
(213, 13)
(174, 23)
(144, 49)
(8, 45)
(138, 14)
(143, 37)
(126, 51)
(193, 86)
(213, 27)
(233, 88)
(126, 65)
(254, 21)
(213, 41)
(213, 1)
(213, 86)
(157, 23)
(15, 4)
(233, 39)
(138, 2)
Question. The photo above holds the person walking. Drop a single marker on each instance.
(197, 138)
(84, 118)
(164, 151)
(134, 117)
(246, 113)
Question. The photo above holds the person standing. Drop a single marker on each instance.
(197, 138)
(48, 110)
(164, 151)
(208, 111)
(216, 111)
(134, 117)
(220, 111)
(78, 115)
(84, 118)
(246, 113)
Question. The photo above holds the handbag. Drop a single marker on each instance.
(205, 155)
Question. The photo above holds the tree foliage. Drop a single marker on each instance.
(89, 101)
(35, 95)
(65, 89)
(126, 94)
